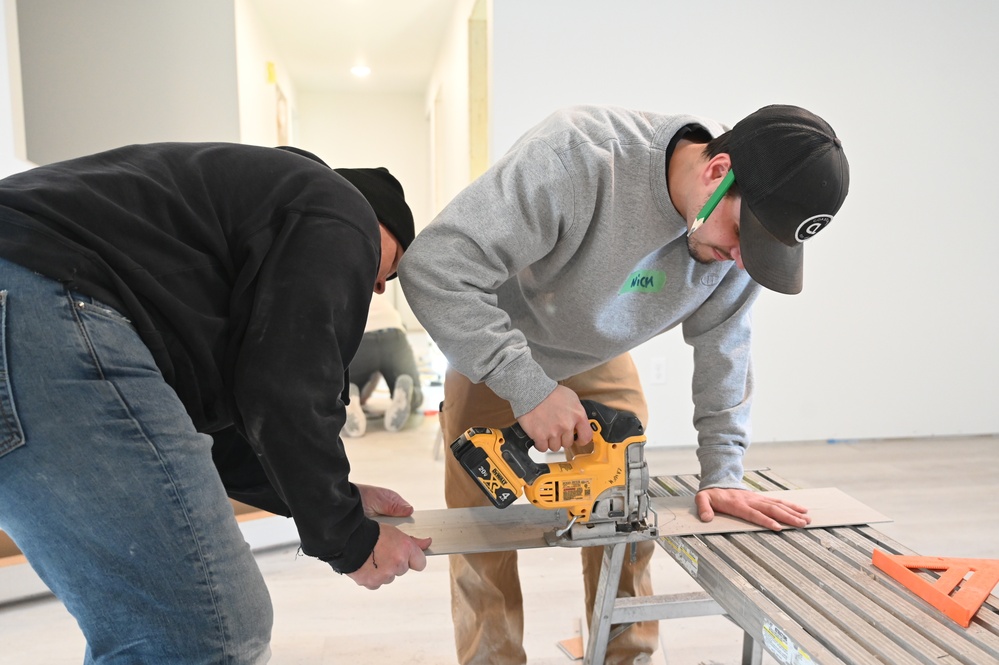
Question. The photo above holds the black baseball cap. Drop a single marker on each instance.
(793, 177)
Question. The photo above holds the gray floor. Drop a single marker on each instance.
(941, 493)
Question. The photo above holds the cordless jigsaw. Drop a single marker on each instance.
(604, 492)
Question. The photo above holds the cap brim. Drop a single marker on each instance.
(770, 263)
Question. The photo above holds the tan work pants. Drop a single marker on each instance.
(486, 601)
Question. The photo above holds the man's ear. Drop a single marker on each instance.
(716, 169)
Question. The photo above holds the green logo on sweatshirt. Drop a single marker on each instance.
(644, 281)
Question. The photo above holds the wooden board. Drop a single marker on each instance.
(483, 529)
(826, 506)
(523, 526)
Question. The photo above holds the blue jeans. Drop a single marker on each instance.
(110, 492)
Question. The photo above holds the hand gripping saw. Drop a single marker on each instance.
(604, 492)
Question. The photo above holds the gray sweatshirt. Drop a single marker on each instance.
(568, 252)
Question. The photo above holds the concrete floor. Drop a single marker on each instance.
(942, 493)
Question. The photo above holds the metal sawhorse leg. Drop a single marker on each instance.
(609, 610)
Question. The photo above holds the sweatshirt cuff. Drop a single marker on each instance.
(721, 466)
(359, 548)
(522, 383)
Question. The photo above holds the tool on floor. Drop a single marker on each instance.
(975, 577)
(604, 492)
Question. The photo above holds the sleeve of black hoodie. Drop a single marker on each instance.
(309, 310)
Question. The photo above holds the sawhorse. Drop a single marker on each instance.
(807, 596)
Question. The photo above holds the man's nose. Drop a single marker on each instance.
(736, 254)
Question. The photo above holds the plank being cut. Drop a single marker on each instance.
(826, 506)
(523, 526)
(480, 529)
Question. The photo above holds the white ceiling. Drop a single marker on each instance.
(320, 40)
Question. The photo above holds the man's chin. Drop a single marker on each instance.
(692, 250)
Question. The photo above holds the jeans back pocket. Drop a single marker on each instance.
(11, 434)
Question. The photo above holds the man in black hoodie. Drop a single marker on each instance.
(177, 320)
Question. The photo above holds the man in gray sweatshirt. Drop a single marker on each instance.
(600, 229)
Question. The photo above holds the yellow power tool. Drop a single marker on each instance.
(604, 492)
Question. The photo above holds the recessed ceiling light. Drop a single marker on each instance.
(360, 71)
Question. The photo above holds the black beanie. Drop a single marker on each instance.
(384, 194)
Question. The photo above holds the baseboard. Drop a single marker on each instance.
(262, 531)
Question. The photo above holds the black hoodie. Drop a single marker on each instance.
(248, 272)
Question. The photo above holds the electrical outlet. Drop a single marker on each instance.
(659, 375)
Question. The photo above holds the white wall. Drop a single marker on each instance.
(447, 107)
(12, 150)
(896, 331)
(104, 73)
(361, 130)
(261, 75)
